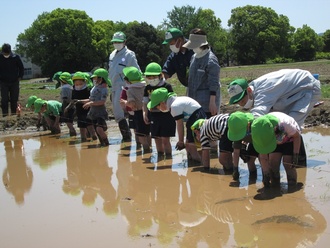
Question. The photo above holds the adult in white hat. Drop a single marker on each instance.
(204, 73)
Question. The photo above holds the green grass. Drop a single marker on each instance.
(43, 90)
(227, 74)
(325, 90)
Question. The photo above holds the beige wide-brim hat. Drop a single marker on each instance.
(195, 40)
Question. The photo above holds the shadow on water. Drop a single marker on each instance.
(119, 195)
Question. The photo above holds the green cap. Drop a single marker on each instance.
(153, 69)
(263, 133)
(89, 81)
(236, 90)
(118, 37)
(79, 76)
(133, 74)
(157, 96)
(238, 124)
(103, 73)
(66, 77)
(38, 104)
(31, 101)
(197, 124)
(56, 77)
(171, 34)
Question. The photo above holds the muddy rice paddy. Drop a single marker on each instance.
(58, 192)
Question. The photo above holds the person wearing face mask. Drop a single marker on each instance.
(291, 91)
(120, 58)
(97, 113)
(135, 91)
(204, 73)
(11, 72)
(66, 96)
(183, 109)
(162, 125)
(80, 92)
(179, 60)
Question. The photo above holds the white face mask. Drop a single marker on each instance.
(80, 87)
(118, 46)
(197, 50)
(248, 104)
(164, 110)
(174, 48)
(153, 82)
(95, 82)
(7, 56)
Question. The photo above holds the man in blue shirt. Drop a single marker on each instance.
(179, 60)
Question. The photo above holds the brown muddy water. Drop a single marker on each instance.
(57, 192)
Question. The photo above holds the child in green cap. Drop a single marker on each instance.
(51, 110)
(276, 136)
(135, 90)
(41, 120)
(81, 91)
(239, 131)
(183, 109)
(214, 129)
(162, 125)
(66, 96)
(97, 113)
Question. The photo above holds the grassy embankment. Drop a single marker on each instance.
(227, 74)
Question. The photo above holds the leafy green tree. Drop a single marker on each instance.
(183, 18)
(102, 35)
(257, 34)
(306, 43)
(61, 40)
(326, 41)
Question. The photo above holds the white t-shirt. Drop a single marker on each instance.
(287, 127)
(182, 107)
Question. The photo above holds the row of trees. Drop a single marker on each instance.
(70, 40)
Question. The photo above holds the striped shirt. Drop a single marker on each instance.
(212, 129)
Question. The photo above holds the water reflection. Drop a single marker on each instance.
(17, 176)
(154, 201)
(50, 152)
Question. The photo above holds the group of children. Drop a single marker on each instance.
(81, 97)
(156, 112)
(271, 138)
(86, 100)
(270, 131)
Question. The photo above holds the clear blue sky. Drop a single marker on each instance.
(19, 15)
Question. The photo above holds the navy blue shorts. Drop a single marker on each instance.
(68, 116)
(99, 122)
(83, 122)
(141, 128)
(225, 144)
(285, 149)
(162, 124)
(198, 114)
(131, 123)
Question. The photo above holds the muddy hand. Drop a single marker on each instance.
(180, 146)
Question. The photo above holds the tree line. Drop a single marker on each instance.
(69, 40)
